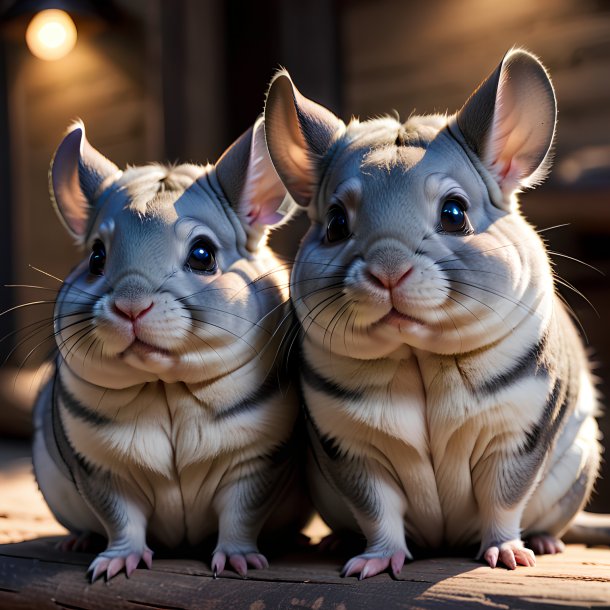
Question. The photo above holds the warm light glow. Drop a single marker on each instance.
(51, 34)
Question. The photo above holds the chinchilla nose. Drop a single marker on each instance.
(388, 265)
(132, 308)
(133, 297)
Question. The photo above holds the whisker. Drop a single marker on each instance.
(546, 229)
(518, 303)
(575, 290)
(54, 277)
(325, 304)
(210, 346)
(576, 260)
(202, 323)
(573, 315)
(338, 314)
(458, 302)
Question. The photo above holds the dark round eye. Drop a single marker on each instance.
(201, 258)
(97, 260)
(453, 216)
(337, 227)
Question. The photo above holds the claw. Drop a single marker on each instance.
(511, 553)
(491, 556)
(353, 566)
(397, 561)
(131, 563)
(238, 562)
(367, 566)
(111, 566)
(114, 567)
(257, 561)
(218, 563)
(98, 567)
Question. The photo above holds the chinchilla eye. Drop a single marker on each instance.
(337, 226)
(453, 216)
(97, 260)
(201, 258)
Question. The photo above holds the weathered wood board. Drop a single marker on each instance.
(34, 574)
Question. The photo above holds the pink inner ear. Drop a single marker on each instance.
(70, 201)
(522, 126)
(507, 172)
(263, 192)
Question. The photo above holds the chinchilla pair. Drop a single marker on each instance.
(447, 395)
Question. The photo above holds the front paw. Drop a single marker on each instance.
(112, 562)
(370, 564)
(511, 553)
(238, 561)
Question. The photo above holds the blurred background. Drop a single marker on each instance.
(178, 80)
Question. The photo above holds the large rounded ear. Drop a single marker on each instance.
(252, 186)
(509, 121)
(299, 132)
(77, 171)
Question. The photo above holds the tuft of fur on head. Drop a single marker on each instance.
(144, 184)
(391, 139)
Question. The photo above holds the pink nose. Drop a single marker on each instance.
(386, 278)
(132, 310)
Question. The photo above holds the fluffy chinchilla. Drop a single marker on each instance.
(165, 422)
(449, 396)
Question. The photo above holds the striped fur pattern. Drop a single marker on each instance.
(449, 398)
(165, 422)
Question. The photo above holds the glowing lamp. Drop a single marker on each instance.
(51, 34)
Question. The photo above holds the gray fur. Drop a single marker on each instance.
(166, 419)
(444, 363)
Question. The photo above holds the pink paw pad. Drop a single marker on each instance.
(511, 554)
(371, 566)
(239, 562)
(111, 566)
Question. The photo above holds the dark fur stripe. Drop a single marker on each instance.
(528, 364)
(324, 385)
(345, 473)
(77, 409)
(540, 439)
(267, 389)
(57, 443)
(328, 444)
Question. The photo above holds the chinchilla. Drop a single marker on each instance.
(449, 397)
(165, 421)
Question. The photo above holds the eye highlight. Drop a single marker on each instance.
(337, 225)
(97, 260)
(453, 216)
(202, 258)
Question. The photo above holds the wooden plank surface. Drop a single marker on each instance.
(35, 574)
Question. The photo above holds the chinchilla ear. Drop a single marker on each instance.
(76, 174)
(509, 122)
(299, 132)
(252, 186)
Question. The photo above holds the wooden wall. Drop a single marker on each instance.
(103, 82)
